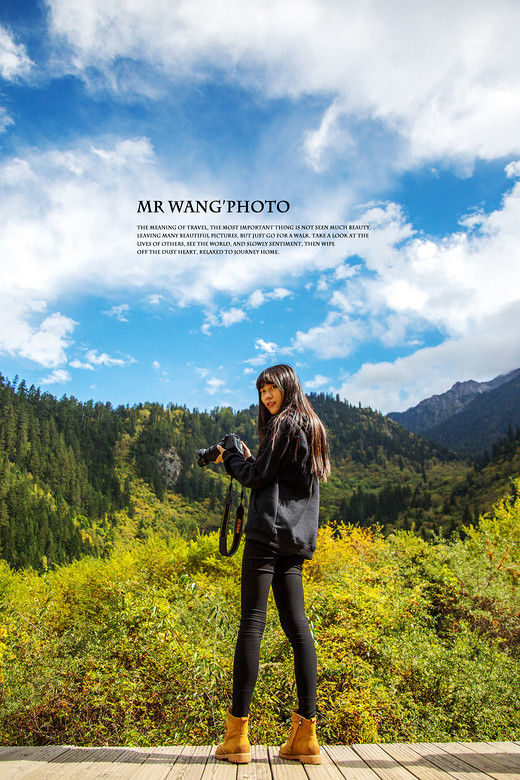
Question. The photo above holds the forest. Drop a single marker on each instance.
(83, 478)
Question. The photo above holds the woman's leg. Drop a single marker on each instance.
(288, 592)
(258, 566)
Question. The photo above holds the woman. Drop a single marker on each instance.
(280, 534)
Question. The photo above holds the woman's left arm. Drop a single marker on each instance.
(262, 471)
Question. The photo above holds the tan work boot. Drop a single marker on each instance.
(236, 747)
(302, 744)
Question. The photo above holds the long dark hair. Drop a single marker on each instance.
(295, 405)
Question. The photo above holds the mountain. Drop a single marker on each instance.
(469, 417)
(482, 421)
(439, 408)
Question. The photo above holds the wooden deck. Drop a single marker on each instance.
(425, 761)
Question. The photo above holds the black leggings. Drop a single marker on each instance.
(261, 568)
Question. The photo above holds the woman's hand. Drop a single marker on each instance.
(247, 452)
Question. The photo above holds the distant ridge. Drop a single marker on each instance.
(470, 416)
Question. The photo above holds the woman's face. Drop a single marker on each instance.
(271, 397)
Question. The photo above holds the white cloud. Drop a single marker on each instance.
(444, 80)
(225, 318)
(464, 287)
(259, 297)
(77, 240)
(329, 139)
(513, 169)
(59, 376)
(74, 239)
(93, 359)
(318, 383)
(103, 360)
(256, 299)
(346, 270)
(268, 347)
(394, 386)
(215, 385)
(5, 120)
(14, 62)
(119, 312)
(279, 293)
(338, 336)
(232, 316)
(47, 344)
(412, 284)
(267, 351)
(23, 331)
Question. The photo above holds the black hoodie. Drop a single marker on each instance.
(284, 503)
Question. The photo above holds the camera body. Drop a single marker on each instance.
(211, 454)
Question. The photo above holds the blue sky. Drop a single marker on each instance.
(370, 113)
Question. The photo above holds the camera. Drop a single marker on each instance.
(211, 454)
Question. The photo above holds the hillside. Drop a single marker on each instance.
(482, 421)
(438, 409)
(489, 479)
(86, 478)
(435, 417)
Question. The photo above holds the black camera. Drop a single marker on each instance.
(211, 454)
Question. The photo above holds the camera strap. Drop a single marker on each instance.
(237, 532)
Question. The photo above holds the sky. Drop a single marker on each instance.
(400, 116)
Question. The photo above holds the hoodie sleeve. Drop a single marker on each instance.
(259, 472)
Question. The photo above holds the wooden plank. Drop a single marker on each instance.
(382, 763)
(20, 761)
(78, 764)
(479, 761)
(259, 768)
(158, 762)
(500, 752)
(219, 769)
(327, 770)
(22, 752)
(507, 747)
(190, 763)
(391, 761)
(7, 753)
(416, 764)
(349, 763)
(457, 768)
(285, 769)
(120, 767)
(60, 767)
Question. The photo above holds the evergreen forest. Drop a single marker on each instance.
(83, 478)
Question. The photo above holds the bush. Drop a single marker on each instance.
(415, 641)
